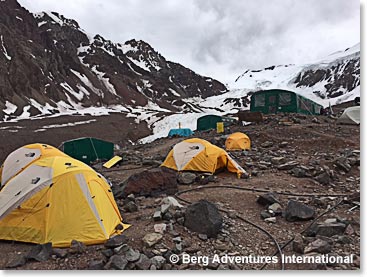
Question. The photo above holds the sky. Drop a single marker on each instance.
(221, 38)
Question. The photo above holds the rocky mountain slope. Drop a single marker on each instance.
(49, 65)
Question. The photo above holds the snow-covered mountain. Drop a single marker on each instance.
(50, 66)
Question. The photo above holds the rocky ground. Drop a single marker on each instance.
(298, 168)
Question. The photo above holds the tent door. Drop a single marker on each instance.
(272, 106)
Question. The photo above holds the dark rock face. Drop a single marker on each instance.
(267, 199)
(116, 241)
(203, 217)
(298, 211)
(40, 252)
(47, 56)
(152, 182)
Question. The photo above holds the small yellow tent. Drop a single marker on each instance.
(199, 155)
(47, 196)
(238, 141)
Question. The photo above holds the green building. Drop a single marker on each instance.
(282, 101)
(88, 150)
(210, 121)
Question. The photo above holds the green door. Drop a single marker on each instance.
(272, 103)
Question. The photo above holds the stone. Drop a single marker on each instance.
(167, 216)
(116, 241)
(151, 239)
(299, 172)
(160, 228)
(77, 247)
(203, 237)
(349, 230)
(203, 217)
(297, 244)
(96, 265)
(158, 261)
(267, 199)
(205, 179)
(132, 255)
(277, 160)
(323, 178)
(319, 246)
(107, 252)
(267, 144)
(181, 220)
(116, 262)
(131, 197)
(157, 215)
(271, 220)
(131, 207)
(165, 208)
(152, 182)
(121, 249)
(177, 239)
(18, 261)
(265, 214)
(298, 211)
(330, 229)
(343, 240)
(172, 202)
(40, 252)
(288, 165)
(186, 178)
(143, 263)
(276, 208)
(60, 252)
(343, 164)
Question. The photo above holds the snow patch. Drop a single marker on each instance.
(5, 52)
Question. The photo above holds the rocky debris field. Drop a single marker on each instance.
(302, 187)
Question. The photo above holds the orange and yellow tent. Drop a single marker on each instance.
(238, 141)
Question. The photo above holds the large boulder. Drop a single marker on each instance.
(203, 217)
(298, 211)
(151, 182)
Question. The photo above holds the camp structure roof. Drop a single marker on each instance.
(351, 115)
(55, 199)
(88, 149)
(182, 132)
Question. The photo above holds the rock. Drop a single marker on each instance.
(298, 211)
(60, 252)
(271, 220)
(131, 197)
(121, 249)
(265, 214)
(266, 144)
(157, 215)
(323, 178)
(178, 248)
(186, 178)
(40, 252)
(276, 208)
(165, 208)
(151, 182)
(203, 237)
(181, 220)
(116, 262)
(343, 240)
(167, 216)
(151, 239)
(172, 202)
(158, 261)
(132, 256)
(320, 246)
(143, 263)
(18, 261)
(130, 207)
(205, 179)
(283, 144)
(267, 199)
(77, 247)
(116, 241)
(330, 229)
(349, 230)
(343, 164)
(288, 165)
(160, 228)
(107, 252)
(299, 172)
(203, 217)
(95, 265)
(277, 160)
(297, 244)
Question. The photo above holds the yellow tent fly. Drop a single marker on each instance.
(55, 198)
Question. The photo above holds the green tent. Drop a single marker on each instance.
(282, 101)
(88, 150)
(210, 121)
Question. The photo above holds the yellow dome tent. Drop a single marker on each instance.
(238, 141)
(199, 155)
(47, 196)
